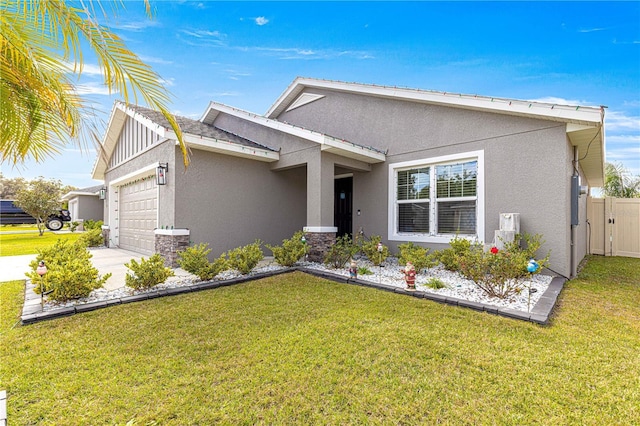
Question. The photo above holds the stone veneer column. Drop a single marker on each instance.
(319, 241)
(169, 242)
(105, 235)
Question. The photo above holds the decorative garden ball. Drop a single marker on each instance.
(532, 266)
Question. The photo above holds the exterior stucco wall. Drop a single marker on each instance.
(527, 161)
(164, 152)
(229, 202)
(90, 207)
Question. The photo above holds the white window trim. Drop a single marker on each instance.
(393, 235)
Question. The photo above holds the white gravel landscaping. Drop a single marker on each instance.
(389, 274)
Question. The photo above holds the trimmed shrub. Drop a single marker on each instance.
(415, 254)
(147, 273)
(370, 249)
(450, 257)
(500, 273)
(341, 252)
(195, 261)
(290, 251)
(92, 224)
(92, 238)
(70, 273)
(244, 259)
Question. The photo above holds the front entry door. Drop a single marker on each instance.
(343, 203)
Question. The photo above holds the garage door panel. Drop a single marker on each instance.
(138, 215)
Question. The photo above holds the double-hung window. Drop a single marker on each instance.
(433, 200)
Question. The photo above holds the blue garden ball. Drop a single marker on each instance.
(532, 266)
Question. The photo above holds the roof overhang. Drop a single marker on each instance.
(72, 194)
(228, 148)
(591, 151)
(327, 143)
(118, 117)
(585, 125)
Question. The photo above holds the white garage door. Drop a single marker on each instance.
(138, 215)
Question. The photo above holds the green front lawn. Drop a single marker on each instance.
(30, 243)
(295, 349)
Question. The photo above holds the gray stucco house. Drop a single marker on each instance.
(334, 157)
(85, 203)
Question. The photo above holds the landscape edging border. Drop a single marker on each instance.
(539, 314)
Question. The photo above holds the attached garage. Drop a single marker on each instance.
(138, 215)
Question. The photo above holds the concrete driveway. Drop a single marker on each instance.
(104, 260)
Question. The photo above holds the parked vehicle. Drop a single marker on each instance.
(10, 214)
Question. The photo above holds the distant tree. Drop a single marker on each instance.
(9, 187)
(40, 199)
(41, 46)
(619, 183)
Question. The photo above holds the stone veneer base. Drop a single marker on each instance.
(169, 242)
(318, 244)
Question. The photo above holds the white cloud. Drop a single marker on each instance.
(624, 139)
(616, 121)
(591, 30)
(168, 82)
(202, 37)
(93, 88)
(155, 60)
(261, 20)
(137, 26)
(289, 53)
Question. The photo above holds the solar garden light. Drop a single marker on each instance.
(41, 270)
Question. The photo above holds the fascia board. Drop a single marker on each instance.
(229, 148)
(565, 113)
(350, 150)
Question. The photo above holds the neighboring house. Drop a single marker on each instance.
(334, 157)
(85, 203)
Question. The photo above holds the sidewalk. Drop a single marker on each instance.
(104, 260)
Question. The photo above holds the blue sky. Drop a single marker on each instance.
(245, 54)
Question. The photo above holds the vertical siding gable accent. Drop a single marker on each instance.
(134, 138)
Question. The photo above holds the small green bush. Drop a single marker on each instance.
(415, 254)
(73, 226)
(450, 257)
(340, 252)
(500, 273)
(436, 283)
(92, 238)
(363, 270)
(370, 249)
(290, 251)
(92, 224)
(147, 273)
(70, 272)
(244, 259)
(194, 260)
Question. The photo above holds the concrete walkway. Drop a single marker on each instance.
(104, 260)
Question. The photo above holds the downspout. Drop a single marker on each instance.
(574, 228)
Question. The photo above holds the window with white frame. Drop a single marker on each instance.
(433, 200)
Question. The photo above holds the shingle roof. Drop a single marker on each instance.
(197, 128)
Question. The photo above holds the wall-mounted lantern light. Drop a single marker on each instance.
(161, 173)
(103, 193)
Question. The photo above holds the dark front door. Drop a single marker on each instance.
(343, 203)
